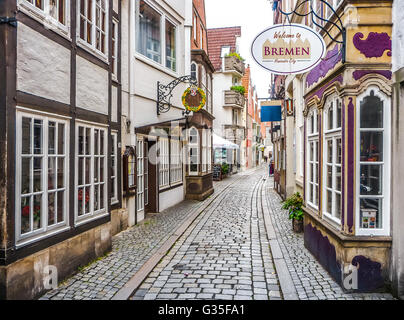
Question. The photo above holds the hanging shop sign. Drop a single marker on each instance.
(193, 99)
(288, 49)
(271, 111)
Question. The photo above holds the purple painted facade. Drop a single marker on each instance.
(329, 62)
(370, 276)
(319, 93)
(304, 167)
(319, 153)
(358, 74)
(374, 46)
(351, 165)
(343, 165)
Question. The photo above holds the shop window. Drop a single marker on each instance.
(373, 166)
(176, 161)
(140, 174)
(193, 151)
(129, 170)
(332, 161)
(42, 179)
(164, 162)
(312, 160)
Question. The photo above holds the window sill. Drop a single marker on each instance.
(90, 218)
(41, 17)
(85, 46)
(27, 241)
(156, 65)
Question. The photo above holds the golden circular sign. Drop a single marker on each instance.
(194, 99)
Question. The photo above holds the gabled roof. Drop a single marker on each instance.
(219, 37)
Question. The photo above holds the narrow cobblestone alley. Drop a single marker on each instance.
(224, 254)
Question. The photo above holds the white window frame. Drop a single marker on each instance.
(140, 174)
(44, 230)
(385, 231)
(163, 18)
(204, 151)
(83, 43)
(45, 17)
(312, 138)
(193, 64)
(114, 178)
(164, 162)
(195, 146)
(332, 134)
(114, 58)
(176, 161)
(92, 215)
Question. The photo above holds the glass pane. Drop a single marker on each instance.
(330, 118)
(316, 195)
(51, 173)
(339, 114)
(170, 46)
(37, 174)
(61, 171)
(338, 178)
(96, 141)
(51, 208)
(88, 143)
(112, 166)
(311, 151)
(80, 201)
(338, 206)
(51, 138)
(102, 204)
(371, 213)
(329, 201)
(61, 138)
(81, 166)
(60, 206)
(371, 112)
(38, 136)
(87, 200)
(339, 151)
(371, 180)
(81, 140)
(26, 136)
(96, 174)
(102, 142)
(310, 193)
(371, 146)
(312, 173)
(329, 176)
(25, 175)
(96, 188)
(25, 214)
(37, 211)
(329, 151)
(102, 160)
(113, 187)
(87, 171)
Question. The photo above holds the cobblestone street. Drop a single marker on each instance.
(225, 253)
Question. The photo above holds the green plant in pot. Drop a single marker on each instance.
(294, 204)
(240, 89)
(225, 168)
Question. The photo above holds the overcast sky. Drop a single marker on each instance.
(253, 16)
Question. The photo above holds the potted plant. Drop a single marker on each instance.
(225, 169)
(240, 89)
(294, 204)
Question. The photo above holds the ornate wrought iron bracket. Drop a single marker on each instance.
(11, 21)
(164, 93)
(339, 26)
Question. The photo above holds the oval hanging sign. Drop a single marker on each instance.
(193, 99)
(288, 49)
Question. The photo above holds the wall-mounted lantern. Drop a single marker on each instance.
(289, 105)
(129, 171)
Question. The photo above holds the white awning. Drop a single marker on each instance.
(219, 142)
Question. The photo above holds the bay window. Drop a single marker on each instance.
(91, 173)
(332, 164)
(150, 41)
(373, 169)
(93, 24)
(42, 179)
(312, 159)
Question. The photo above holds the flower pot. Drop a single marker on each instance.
(297, 225)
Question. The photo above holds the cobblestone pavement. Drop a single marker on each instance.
(224, 254)
(311, 280)
(102, 279)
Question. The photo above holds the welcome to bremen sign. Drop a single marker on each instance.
(288, 48)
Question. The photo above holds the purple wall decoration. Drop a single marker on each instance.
(361, 73)
(319, 93)
(375, 44)
(327, 64)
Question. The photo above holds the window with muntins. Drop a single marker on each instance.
(171, 61)
(332, 164)
(164, 164)
(114, 168)
(91, 173)
(114, 53)
(193, 151)
(93, 25)
(373, 169)
(176, 161)
(312, 159)
(41, 175)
